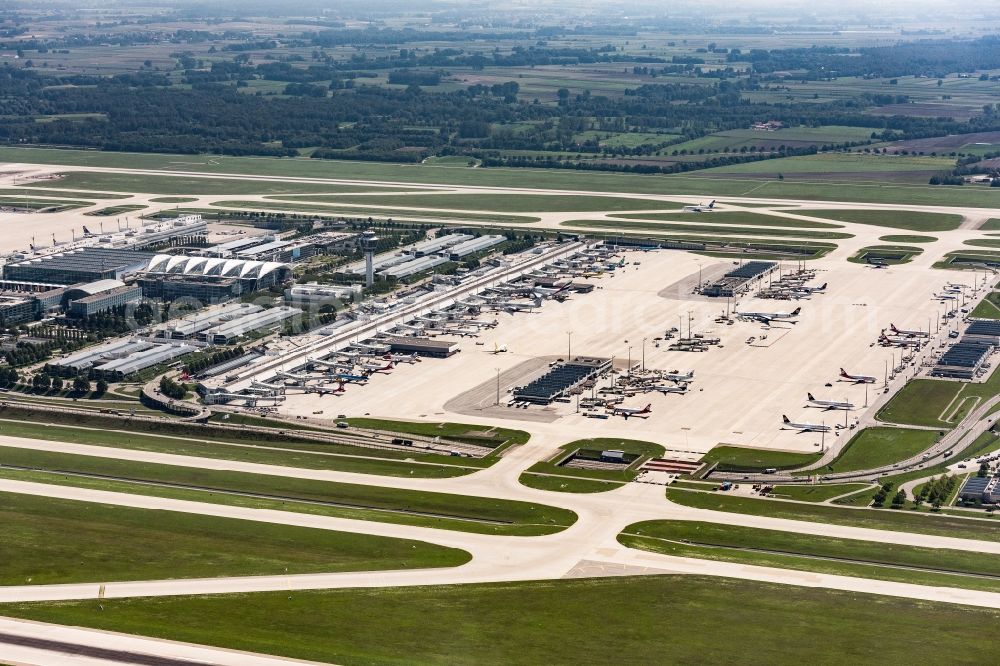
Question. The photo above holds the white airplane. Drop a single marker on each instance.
(768, 317)
(402, 358)
(909, 334)
(885, 340)
(633, 411)
(664, 389)
(464, 332)
(803, 427)
(374, 367)
(857, 379)
(544, 292)
(830, 404)
(499, 349)
(679, 376)
(811, 290)
(702, 208)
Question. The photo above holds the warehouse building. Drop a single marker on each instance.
(87, 264)
(233, 330)
(473, 246)
(93, 356)
(422, 346)
(413, 267)
(436, 245)
(126, 366)
(317, 294)
(188, 327)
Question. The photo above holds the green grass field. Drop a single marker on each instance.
(988, 308)
(886, 254)
(817, 492)
(664, 227)
(550, 475)
(734, 217)
(876, 519)
(992, 224)
(644, 619)
(744, 459)
(49, 540)
(501, 203)
(809, 552)
(922, 402)
(180, 184)
(308, 455)
(375, 209)
(896, 219)
(43, 205)
(716, 185)
(174, 200)
(342, 500)
(907, 238)
(876, 447)
(839, 163)
(117, 210)
(39, 190)
(458, 431)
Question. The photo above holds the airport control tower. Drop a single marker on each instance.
(368, 242)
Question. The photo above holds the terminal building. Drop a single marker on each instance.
(740, 280)
(208, 280)
(561, 380)
(985, 489)
(86, 264)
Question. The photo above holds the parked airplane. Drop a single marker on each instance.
(886, 341)
(375, 367)
(402, 358)
(679, 376)
(909, 334)
(829, 404)
(857, 379)
(803, 427)
(499, 349)
(664, 389)
(811, 290)
(544, 292)
(633, 411)
(768, 317)
(354, 379)
(702, 208)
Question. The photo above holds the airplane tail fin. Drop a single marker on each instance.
(843, 373)
(823, 286)
(784, 419)
(648, 408)
(796, 311)
(810, 396)
(87, 231)
(712, 204)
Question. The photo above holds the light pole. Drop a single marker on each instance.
(644, 354)
(569, 345)
(629, 372)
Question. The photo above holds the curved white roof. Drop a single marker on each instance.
(183, 265)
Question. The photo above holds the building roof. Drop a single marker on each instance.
(170, 264)
(98, 286)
